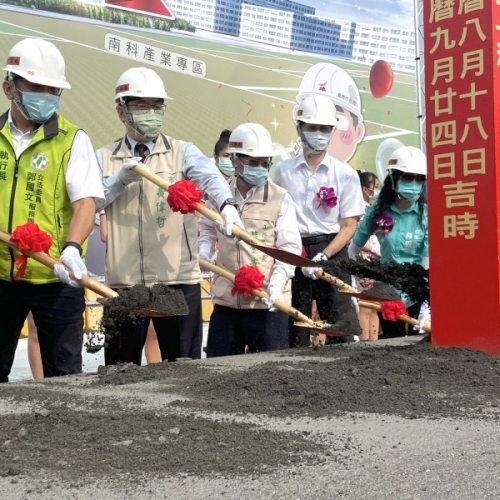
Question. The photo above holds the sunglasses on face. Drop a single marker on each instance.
(418, 178)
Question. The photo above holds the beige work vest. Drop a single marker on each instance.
(259, 214)
(148, 243)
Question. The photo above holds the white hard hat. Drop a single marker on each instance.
(408, 159)
(316, 109)
(251, 139)
(334, 82)
(141, 83)
(37, 61)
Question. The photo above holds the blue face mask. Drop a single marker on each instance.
(226, 166)
(255, 176)
(39, 106)
(410, 191)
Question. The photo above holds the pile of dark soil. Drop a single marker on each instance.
(98, 430)
(412, 279)
(411, 382)
(80, 444)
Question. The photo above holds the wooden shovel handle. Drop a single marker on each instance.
(200, 207)
(279, 304)
(407, 319)
(47, 260)
(335, 281)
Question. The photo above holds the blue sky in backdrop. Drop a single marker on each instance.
(397, 13)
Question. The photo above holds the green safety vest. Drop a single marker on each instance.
(33, 188)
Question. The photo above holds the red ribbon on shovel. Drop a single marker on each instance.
(29, 237)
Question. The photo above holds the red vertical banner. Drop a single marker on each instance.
(462, 71)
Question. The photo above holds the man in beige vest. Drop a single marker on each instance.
(147, 243)
(268, 212)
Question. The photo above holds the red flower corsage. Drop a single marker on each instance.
(247, 279)
(183, 197)
(29, 237)
(383, 223)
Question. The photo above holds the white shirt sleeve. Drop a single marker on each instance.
(83, 176)
(287, 236)
(203, 171)
(208, 233)
(351, 202)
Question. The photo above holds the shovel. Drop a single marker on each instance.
(345, 288)
(275, 253)
(304, 320)
(405, 318)
(85, 281)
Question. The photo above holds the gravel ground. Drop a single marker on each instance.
(392, 419)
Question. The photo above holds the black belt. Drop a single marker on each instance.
(319, 238)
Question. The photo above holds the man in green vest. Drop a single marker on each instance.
(49, 176)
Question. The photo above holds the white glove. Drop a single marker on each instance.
(425, 262)
(274, 294)
(353, 251)
(424, 316)
(70, 257)
(205, 252)
(310, 272)
(230, 216)
(126, 175)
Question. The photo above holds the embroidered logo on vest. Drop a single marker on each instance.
(39, 161)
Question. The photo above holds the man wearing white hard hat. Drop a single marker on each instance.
(330, 80)
(328, 200)
(49, 176)
(268, 212)
(147, 242)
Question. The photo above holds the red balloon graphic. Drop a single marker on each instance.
(381, 78)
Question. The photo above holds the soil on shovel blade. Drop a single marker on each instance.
(130, 304)
(412, 279)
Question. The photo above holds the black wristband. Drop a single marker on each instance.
(229, 201)
(72, 244)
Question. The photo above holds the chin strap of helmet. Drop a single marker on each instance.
(17, 96)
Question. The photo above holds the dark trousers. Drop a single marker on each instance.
(331, 304)
(178, 336)
(392, 329)
(230, 330)
(58, 315)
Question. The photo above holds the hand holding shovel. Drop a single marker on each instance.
(85, 281)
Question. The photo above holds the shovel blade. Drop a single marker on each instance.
(286, 257)
(155, 314)
(324, 329)
(366, 296)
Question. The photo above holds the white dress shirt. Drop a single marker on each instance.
(303, 183)
(83, 178)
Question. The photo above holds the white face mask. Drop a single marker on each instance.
(317, 141)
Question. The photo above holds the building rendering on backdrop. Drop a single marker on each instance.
(295, 26)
